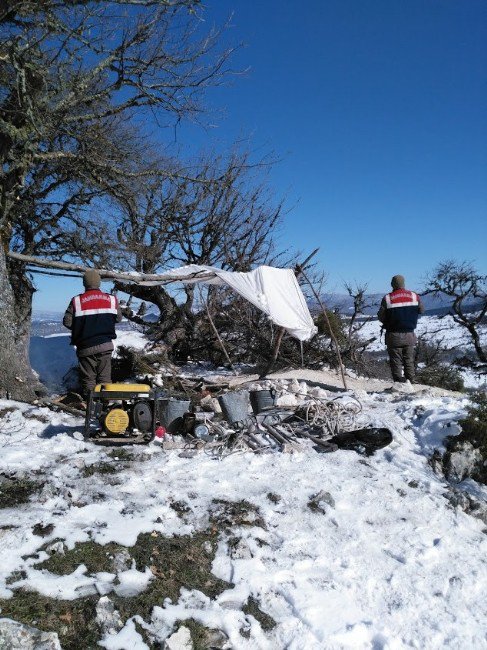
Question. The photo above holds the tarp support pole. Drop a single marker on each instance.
(299, 269)
(220, 341)
(332, 335)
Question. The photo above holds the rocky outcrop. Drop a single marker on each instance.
(16, 636)
(462, 461)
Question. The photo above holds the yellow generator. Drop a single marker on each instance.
(121, 413)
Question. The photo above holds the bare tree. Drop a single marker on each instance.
(221, 215)
(73, 78)
(462, 282)
(356, 345)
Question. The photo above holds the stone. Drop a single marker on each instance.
(180, 640)
(240, 551)
(468, 503)
(122, 561)
(294, 386)
(107, 617)
(286, 400)
(207, 547)
(16, 636)
(463, 462)
(57, 548)
(319, 501)
(216, 640)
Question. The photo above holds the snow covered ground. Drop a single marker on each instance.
(435, 330)
(442, 330)
(385, 562)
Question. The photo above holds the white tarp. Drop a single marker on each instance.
(275, 291)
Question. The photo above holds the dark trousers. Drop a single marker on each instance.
(95, 369)
(401, 356)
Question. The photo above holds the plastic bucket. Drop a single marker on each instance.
(235, 406)
(171, 414)
(261, 400)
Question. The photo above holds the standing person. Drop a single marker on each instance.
(399, 311)
(91, 317)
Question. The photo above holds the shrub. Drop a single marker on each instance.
(336, 323)
(474, 426)
(442, 376)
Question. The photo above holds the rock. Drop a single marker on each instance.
(318, 502)
(180, 640)
(464, 461)
(16, 636)
(209, 403)
(122, 561)
(240, 550)
(320, 393)
(286, 400)
(57, 548)
(207, 548)
(215, 640)
(294, 386)
(107, 616)
(42, 531)
(467, 503)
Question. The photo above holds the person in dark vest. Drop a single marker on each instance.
(399, 311)
(91, 317)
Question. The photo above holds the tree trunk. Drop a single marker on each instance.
(476, 341)
(17, 380)
(176, 323)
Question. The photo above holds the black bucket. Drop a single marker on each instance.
(171, 414)
(260, 400)
(235, 406)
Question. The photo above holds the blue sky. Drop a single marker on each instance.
(377, 111)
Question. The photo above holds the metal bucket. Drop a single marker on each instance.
(235, 406)
(171, 414)
(262, 399)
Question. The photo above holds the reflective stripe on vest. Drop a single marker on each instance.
(90, 303)
(402, 298)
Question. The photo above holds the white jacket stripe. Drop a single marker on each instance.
(90, 312)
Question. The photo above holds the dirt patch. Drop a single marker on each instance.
(267, 623)
(236, 513)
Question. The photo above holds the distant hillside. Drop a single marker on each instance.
(47, 322)
(434, 305)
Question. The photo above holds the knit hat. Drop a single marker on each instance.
(91, 279)
(398, 282)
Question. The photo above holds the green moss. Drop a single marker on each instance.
(175, 562)
(99, 468)
(13, 493)
(73, 620)
(124, 455)
(94, 556)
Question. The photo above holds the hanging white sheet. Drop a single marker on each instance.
(275, 291)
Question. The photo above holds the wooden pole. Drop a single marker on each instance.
(213, 326)
(298, 270)
(333, 337)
